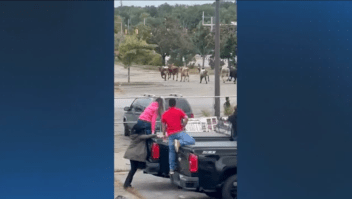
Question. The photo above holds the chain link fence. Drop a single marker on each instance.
(200, 106)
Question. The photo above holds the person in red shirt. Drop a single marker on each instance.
(174, 126)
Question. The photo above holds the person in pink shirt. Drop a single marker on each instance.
(148, 118)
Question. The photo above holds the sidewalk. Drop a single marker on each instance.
(121, 164)
(126, 194)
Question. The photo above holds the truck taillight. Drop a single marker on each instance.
(155, 151)
(193, 163)
(192, 116)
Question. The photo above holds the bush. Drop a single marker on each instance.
(228, 110)
(119, 38)
(206, 113)
(191, 66)
(156, 60)
(212, 63)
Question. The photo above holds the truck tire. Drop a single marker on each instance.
(214, 194)
(127, 132)
(229, 190)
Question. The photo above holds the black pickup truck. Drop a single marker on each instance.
(208, 166)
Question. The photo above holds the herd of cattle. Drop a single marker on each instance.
(171, 70)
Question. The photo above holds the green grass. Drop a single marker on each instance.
(206, 113)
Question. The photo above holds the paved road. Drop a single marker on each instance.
(144, 81)
(152, 187)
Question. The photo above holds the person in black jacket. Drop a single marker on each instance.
(137, 151)
(233, 119)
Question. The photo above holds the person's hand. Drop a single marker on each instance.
(165, 138)
(160, 136)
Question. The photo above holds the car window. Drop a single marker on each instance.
(181, 103)
(140, 104)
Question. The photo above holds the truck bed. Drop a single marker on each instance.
(213, 159)
(202, 137)
(206, 150)
(160, 167)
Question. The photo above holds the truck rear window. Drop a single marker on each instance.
(142, 102)
(180, 103)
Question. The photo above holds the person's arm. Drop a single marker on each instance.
(163, 128)
(231, 118)
(144, 137)
(185, 119)
(163, 125)
(154, 117)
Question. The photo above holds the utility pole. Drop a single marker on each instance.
(128, 25)
(203, 19)
(211, 24)
(121, 3)
(217, 59)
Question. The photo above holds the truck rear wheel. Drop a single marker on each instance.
(229, 189)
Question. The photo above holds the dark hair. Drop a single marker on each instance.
(172, 102)
(161, 105)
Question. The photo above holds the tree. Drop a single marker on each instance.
(183, 51)
(118, 24)
(164, 10)
(228, 45)
(144, 16)
(203, 41)
(166, 37)
(118, 39)
(227, 51)
(144, 32)
(174, 28)
(212, 62)
(152, 10)
(132, 50)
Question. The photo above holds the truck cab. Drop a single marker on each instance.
(138, 105)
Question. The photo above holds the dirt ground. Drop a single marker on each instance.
(149, 81)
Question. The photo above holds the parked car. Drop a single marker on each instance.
(208, 166)
(133, 111)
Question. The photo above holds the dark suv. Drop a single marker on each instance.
(133, 112)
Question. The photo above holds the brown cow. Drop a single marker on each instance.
(163, 71)
(173, 70)
(184, 73)
(203, 74)
(225, 73)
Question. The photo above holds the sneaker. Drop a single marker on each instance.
(177, 145)
(126, 187)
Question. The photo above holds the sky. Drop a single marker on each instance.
(159, 2)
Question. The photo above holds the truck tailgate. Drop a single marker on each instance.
(208, 153)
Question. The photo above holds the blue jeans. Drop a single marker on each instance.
(185, 139)
(146, 125)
